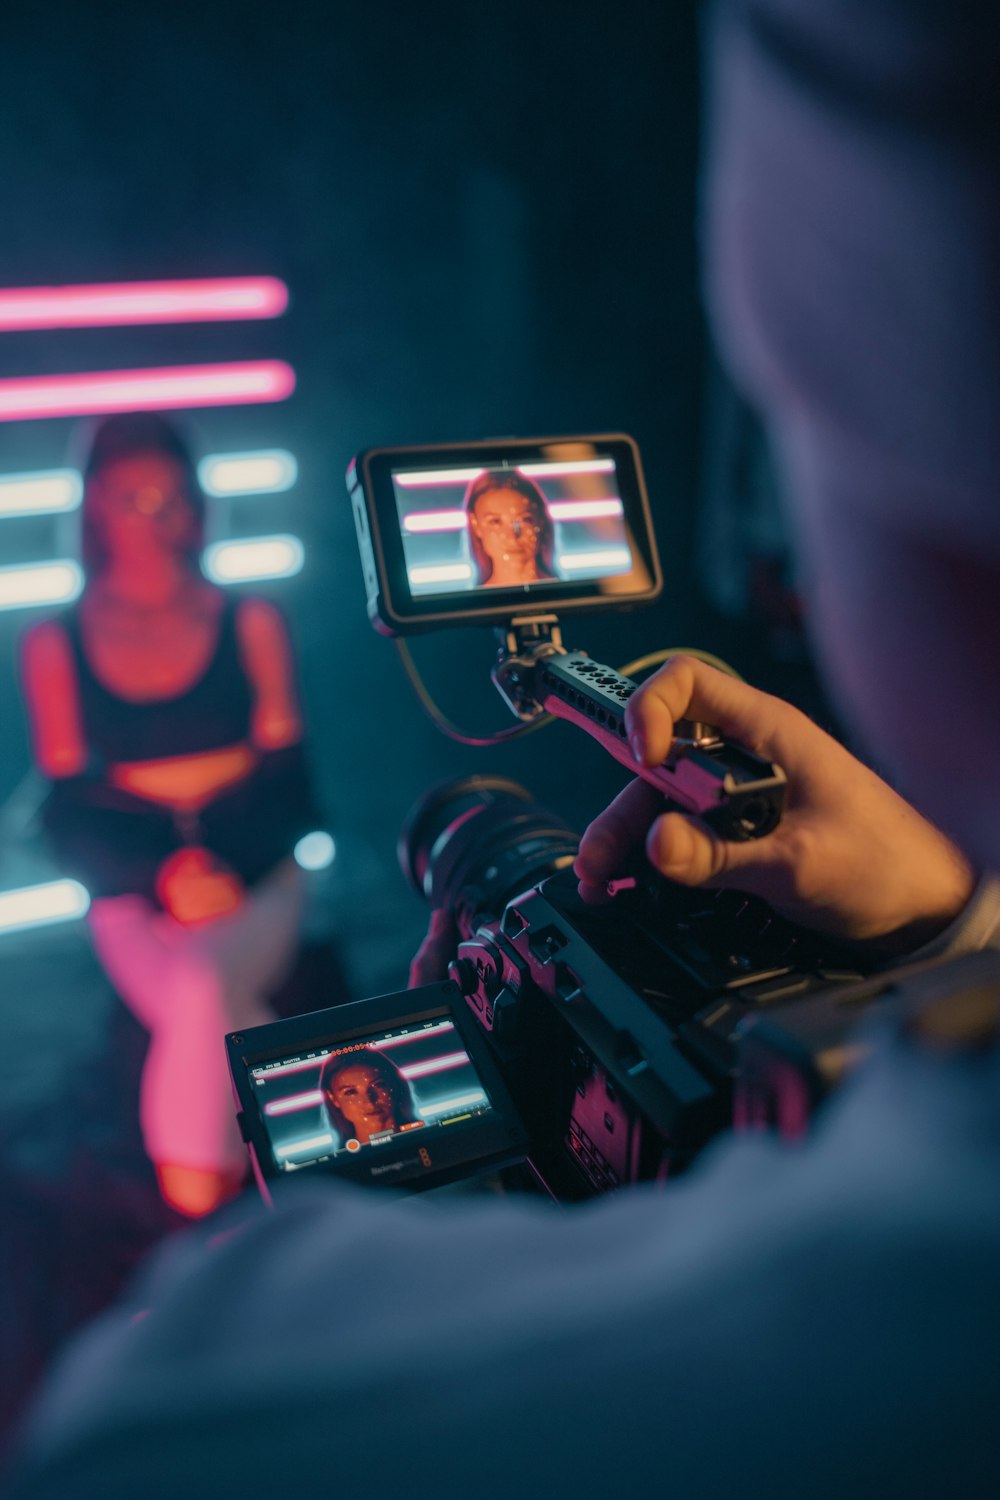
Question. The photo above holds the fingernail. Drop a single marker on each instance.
(638, 747)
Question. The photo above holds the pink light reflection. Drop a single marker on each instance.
(294, 1101)
(167, 389)
(421, 521)
(434, 1064)
(108, 304)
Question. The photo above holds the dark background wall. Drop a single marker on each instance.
(485, 216)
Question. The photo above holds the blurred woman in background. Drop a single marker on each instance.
(166, 716)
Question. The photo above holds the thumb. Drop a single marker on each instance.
(688, 852)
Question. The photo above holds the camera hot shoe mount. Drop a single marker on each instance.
(739, 795)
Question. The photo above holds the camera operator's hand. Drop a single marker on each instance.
(850, 858)
(430, 963)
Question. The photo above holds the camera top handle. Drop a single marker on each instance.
(739, 795)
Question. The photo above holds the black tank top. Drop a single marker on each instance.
(214, 712)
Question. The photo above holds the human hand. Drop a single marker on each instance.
(195, 887)
(440, 945)
(849, 858)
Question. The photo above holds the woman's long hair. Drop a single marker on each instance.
(127, 435)
(403, 1108)
(510, 479)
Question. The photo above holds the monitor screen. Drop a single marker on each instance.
(471, 529)
(353, 1098)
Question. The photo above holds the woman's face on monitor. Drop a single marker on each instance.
(140, 504)
(507, 527)
(361, 1095)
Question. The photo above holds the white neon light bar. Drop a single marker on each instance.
(571, 466)
(169, 389)
(315, 851)
(461, 1099)
(434, 520)
(109, 304)
(47, 490)
(418, 480)
(398, 1041)
(293, 1102)
(42, 905)
(253, 557)
(420, 521)
(435, 1064)
(444, 573)
(40, 583)
(608, 557)
(311, 1143)
(266, 472)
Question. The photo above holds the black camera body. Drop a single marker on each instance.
(627, 1034)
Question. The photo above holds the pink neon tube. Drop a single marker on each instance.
(145, 390)
(222, 299)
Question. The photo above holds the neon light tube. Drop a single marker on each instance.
(420, 521)
(439, 1109)
(608, 557)
(573, 466)
(109, 304)
(265, 473)
(434, 520)
(256, 557)
(145, 390)
(315, 851)
(446, 573)
(42, 905)
(417, 480)
(45, 491)
(293, 1101)
(435, 1064)
(40, 583)
(413, 1036)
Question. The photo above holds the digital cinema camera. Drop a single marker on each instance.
(595, 1045)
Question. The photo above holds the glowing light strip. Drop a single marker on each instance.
(169, 389)
(419, 478)
(294, 1101)
(47, 490)
(434, 520)
(461, 1099)
(109, 304)
(412, 1036)
(267, 472)
(420, 521)
(573, 466)
(42, 905)
(446, 573)
(253, 557)
(435, 1064)
(608, 557)
(263, 1074)
(311, 1143)
(40, 583)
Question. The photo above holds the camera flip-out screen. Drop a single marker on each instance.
(397, 1090)
(484, 531)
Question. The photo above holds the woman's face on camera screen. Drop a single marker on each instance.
(507, 527)
(361, 1095)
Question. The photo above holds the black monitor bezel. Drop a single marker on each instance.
(395, 611)
(465, 1149)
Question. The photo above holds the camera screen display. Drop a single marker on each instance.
(511, 525)
(356, 1097)
(478, 532)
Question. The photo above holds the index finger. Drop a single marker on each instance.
(690, 689)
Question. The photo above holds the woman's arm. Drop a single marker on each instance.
(52, 697)
(266, 653)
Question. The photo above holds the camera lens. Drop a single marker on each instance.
(479, 840)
